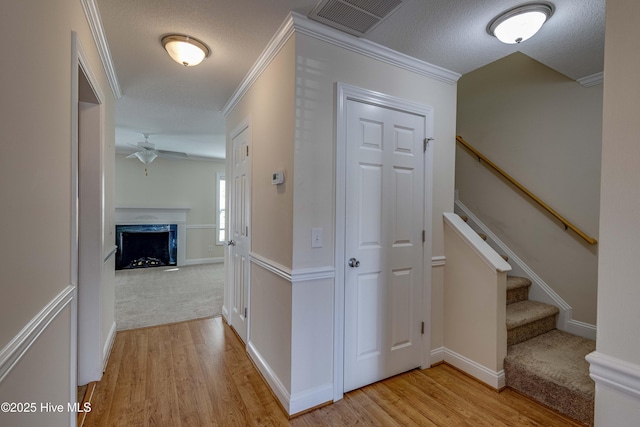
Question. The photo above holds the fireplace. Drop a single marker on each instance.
(149, 226)
(146, 245)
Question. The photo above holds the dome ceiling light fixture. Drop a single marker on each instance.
(520, 24)
(185, 50)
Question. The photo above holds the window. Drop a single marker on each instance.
(220, 208)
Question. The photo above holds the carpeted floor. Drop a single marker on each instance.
(161, 295)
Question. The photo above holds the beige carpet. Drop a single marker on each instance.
(161, 295)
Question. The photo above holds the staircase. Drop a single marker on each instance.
(544, 363)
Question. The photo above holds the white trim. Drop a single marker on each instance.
(201, 226)
(310, 398)
(272, 379)
(225, 315)
(95, 23)
(108, 345)
(111, 253)
(271, 266)
(307, 274)
(11, 354)
(482, 248)
(305, 26)
(437, 355)
(540, 290)
(438, 261)
(296, 22)
(274, 46)
(221, 176)
(592, 80)
(196, 261)
(292, 276)
(585, 330)
(344, 93)
(85, 340)
(615, 373)
(488, 376)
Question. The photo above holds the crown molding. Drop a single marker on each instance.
(301, 24)
(592, 80)
(370, 49)
(95, 24)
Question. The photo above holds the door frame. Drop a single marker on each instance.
(86, 340)
(345, 93)
(229, 286)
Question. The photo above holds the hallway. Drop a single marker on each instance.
(197, 374)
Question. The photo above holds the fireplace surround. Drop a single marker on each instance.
(152, 221)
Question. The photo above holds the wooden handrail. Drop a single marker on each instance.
(563, 220)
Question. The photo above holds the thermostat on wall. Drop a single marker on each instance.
(277, 177)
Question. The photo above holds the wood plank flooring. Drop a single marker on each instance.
(197, 373)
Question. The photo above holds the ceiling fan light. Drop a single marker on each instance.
(146, 156)
(185, 50)
(521, 23)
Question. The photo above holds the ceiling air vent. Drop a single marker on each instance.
(356, 17)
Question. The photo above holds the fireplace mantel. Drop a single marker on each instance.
(132, 215)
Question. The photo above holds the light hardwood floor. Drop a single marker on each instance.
(197, 373)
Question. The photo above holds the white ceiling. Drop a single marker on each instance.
(181, 107)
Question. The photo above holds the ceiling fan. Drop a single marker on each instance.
(147, 152)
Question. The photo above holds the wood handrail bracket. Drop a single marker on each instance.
(563, 220)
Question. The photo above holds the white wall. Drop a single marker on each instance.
(291, 108)
(35, 185)
(543, 129)
(175, 183)
(619, 269)
(319, 65)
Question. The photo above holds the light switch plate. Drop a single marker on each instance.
(316, 237)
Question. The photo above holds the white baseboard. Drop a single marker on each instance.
(310, 398)
(195, 261)
(108, 345)
(272, 379)
(491, 378)
(437, 355)
(615, 373)
(582, 329)
(540, 290)
(225, 314)
(11, 354)
(298, 402)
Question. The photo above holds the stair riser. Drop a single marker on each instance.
(517, 295)
(531, 330)
(566, 401)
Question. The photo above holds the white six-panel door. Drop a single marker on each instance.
(239, 233)
(383, 243)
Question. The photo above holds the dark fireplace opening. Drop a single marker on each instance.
(143, 246)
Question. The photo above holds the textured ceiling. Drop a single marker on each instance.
(180, 107)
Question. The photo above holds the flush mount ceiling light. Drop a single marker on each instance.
(521, 23)
(185, 50)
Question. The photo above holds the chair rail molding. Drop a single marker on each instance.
(11, 354)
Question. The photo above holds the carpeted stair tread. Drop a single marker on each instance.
(514, 282)
(517, 289)
(551, 368)
(524, 312)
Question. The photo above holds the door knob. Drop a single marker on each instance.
(231, 243)
(354, 263)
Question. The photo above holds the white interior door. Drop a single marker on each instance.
(384, 243)
(239, 243)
